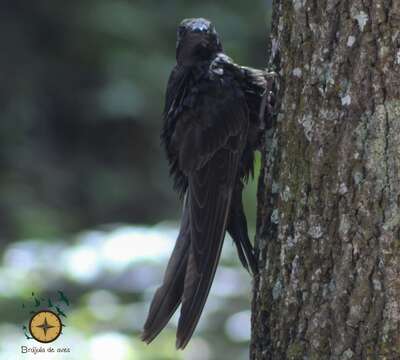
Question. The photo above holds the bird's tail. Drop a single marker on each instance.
(168, 296)
(191, 268)
(209, 204)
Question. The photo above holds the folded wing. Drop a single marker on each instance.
(208, 140)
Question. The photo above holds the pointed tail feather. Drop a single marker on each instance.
(197, 286)
(209, 204)
(168, 296)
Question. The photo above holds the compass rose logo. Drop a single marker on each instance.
(45, 326)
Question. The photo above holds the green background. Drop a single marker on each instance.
(86, 205)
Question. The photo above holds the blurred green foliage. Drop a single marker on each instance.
(109, 276)
(81, 97)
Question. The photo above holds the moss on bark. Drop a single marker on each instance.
(328, 224)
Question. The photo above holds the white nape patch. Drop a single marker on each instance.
(297, 72)
(221, 57)
(350, 41)
(218, 71)
(346, 100)
(362, 19)
(397, 61)
(200, 24)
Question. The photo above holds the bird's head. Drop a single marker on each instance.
(197, 41)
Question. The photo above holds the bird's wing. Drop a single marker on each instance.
(177, 90)
(168, 295)
(210, 153)
(206, 141)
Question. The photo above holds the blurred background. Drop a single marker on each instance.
(86, 205)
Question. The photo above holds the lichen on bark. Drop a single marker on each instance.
(328, 230)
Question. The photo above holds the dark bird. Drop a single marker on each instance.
(213, 117)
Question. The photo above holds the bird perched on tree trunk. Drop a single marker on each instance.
(213, 117)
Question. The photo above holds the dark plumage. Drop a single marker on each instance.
(213, 115)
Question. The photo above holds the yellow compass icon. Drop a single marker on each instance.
(45, 326)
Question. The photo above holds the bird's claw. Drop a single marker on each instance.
(269, 98)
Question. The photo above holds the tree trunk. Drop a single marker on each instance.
(328, 232)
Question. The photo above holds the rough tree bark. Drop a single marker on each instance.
(329, 194)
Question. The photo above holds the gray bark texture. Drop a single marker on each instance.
(328, 232)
